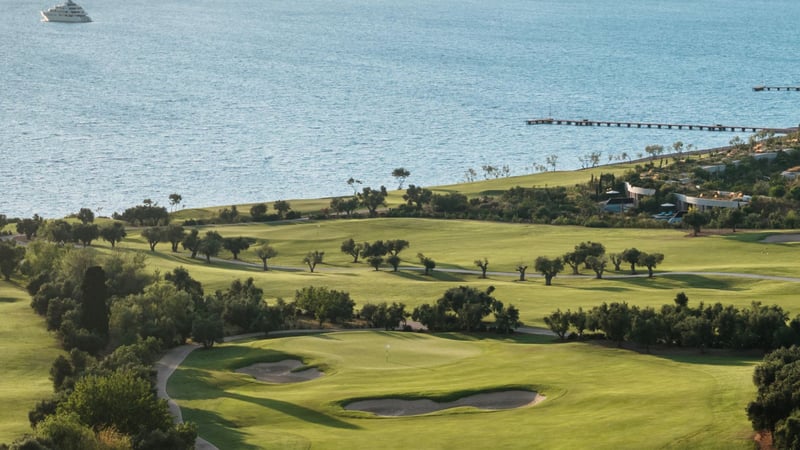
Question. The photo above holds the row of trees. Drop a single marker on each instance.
(368, 198)
(89, 302)
(146, 214)
(464, 308)
(376, 252)
(209, 245)
(63, 232)
(259, 212)
(590, 255)
(706, 326)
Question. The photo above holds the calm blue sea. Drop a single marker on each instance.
(251, 100)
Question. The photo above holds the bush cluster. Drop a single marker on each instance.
(706, 326)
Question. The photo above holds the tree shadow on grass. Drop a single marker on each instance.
(433, 276)
(601, 288)
(706, 282)
(325, 336)
(711, 357)
(753, 238)
(211, 425)
(296, 411)
(671, 282)
(415, 276)
(685, 355)
(402, 335)
(231, 357)
(12, 282)
(8, 300)
(516, 338)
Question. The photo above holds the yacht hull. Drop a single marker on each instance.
(66, 19)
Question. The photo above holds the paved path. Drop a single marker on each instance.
(165, 367)
(174, 357)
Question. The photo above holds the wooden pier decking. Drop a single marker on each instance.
(776, 88)
(659, 126)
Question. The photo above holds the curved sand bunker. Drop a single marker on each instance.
(280, 372)
(394, 407)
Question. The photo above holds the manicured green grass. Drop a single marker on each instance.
(26, 353)
(456, 244)
(597, 397)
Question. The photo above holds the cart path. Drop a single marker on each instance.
(173, 358)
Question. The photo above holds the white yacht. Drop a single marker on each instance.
(67, 12)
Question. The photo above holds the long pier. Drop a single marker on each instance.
(776, 88)
(659, 126)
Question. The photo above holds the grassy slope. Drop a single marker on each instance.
(597, 397)
(474, 189)
(26, 353)
(457, 244)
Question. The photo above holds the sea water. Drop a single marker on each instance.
(238, 101)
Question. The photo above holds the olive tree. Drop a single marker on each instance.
(650, 260)
(375, 261)
(483, 264)
(350, 247)
(426, 262)
(153, 235)
(394, 261)
(401, 174)
(113, 232)
(597, 264)
(631, 256)
(174, 234)
(549, 268)
(521, 269)
(372, 199)
(236, 245)
(85, 215)
(558, 322)
(210, 245)
(313, 258)
(85, 233)
(10, 257)
(191, 242)
(265, 252)
(695, 219)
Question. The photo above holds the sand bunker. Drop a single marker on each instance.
(393, 407)
(280, 372)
